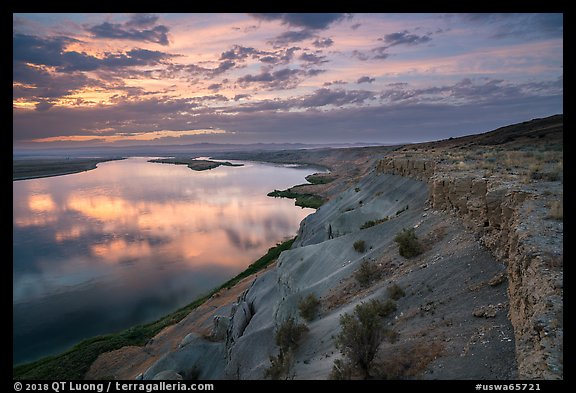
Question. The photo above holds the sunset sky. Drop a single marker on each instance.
(127, 79)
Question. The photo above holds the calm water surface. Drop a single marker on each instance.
(130, 241)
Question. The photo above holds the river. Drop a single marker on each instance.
(130, 241)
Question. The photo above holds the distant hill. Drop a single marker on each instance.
(171, 150)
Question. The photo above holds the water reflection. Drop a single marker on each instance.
(130, 241)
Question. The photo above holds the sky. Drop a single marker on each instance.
(141, 79)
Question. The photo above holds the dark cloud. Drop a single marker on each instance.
(524, 25)
(142, 20)
(394, 39)
(339, 97)
(546, 87)
(404, 38)
(287, 54)
(309, 23)
(173, 71)
(138, 28)
(365, 79)
(391, 40)
(215, 97)
(280, 56)
(312, 59)
(379, 53)
(239, 97)
(397, 84)
(323, 42)
(80, 61)
(223, 67)
(132, 92)
(44, 105)
(490, 89)
(319, 98)
(52, 52)
(47, 85)
(337, 82)
(240, 53)
(284, 78)
(314, 72)
(469, 91)
(292, 36)
(361, 55)
(36, 50)
(134, 57)
(266, 106)
(270, 59)
(36, 84)
(312, 21)
(215, 86)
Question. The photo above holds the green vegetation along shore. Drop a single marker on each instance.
(74, 363)
(196, 165)
(305, 199)
(23, 169)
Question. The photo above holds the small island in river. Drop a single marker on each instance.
(196, 165)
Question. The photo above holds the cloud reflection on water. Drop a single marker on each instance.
(131, 234)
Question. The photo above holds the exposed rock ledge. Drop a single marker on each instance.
(510, 219)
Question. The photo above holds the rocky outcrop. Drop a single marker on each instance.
(167, 375)
(499, 215)
(241, 315)
(195, 358)
(418, 168)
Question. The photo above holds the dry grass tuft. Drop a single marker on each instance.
(407, 361)
(556, 211)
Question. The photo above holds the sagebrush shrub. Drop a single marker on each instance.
(395, 292)
(360, 245)
(408, 245)
(361, 335)
(288, 336)
(366, 273)
(308, 307)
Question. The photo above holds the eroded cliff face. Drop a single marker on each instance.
(510, 219)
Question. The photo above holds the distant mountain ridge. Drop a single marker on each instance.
(166, 150)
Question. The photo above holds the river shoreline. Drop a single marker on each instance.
(25, 169)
